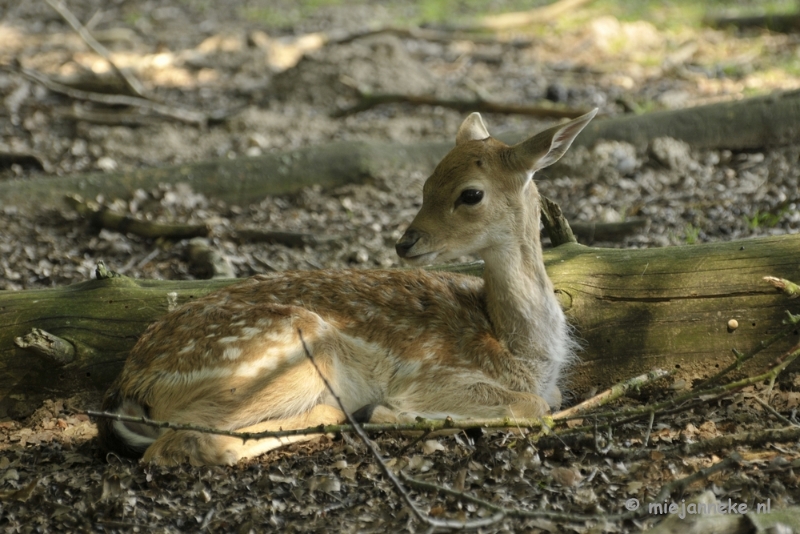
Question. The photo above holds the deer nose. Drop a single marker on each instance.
(404, 244)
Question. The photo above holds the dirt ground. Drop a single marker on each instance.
(244, 62)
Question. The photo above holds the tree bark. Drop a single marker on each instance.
(748, 124)
(632, 309)
(240, 181)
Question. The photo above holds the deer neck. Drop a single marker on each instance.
(522, 307)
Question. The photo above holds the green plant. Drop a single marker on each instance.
(764, 219)
(691, 233)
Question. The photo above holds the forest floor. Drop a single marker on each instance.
(277, 91)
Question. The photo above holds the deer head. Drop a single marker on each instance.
(481, 198)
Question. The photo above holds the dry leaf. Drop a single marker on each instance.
(566, 476)
(460, 482)
(431, 445)
(419, 463)
(325, 483)
(111, 487)
(22, 494)
(437, 511)
(634, 486)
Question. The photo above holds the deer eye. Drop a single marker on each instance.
(470, 197)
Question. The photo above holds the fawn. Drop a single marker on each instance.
(394, 344)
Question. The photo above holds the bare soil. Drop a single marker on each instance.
(222, 57)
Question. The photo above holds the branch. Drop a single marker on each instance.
(428, 34)
(422, 425)
(777, 22)
(756, 437)
(775, 413)
(184, 115)
(676, 404)
(46, 344)
(681, 484)
(555, 223)
(613, 393)
(106, 218)
(289, 239)
(130, 80)
(589, 232)
(109, 219)
(791, 289)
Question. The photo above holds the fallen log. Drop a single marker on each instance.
(633, 310)
(776, 22)
(749, 124)
(240, 181)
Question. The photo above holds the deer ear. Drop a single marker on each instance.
(472, 129)
(547, 147)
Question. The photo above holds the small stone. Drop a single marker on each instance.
(107, 164)
(733, 324)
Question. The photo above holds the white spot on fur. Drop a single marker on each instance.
(228, 339)
(231, 353)
(249, 332)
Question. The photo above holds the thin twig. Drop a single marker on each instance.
(774, 412)
(184, 115)
(398, 486)
(646, 439)
(423, 425)
(626, 416)
(130, 80)
(419, 438)
(105, 218)
(681, 484)
(614, 392)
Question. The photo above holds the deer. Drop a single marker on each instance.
(393, 344)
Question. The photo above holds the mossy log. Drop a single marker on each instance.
(749, 124)
(633, 309)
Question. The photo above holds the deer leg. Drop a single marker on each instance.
(176, 447)
(478, 400)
